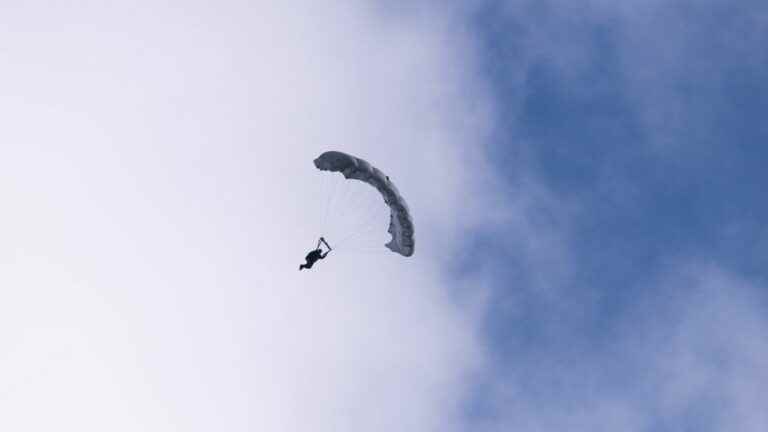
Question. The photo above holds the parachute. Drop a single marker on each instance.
(400, 221)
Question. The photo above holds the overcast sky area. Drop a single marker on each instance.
(586, 180)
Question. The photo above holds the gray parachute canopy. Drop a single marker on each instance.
(400, 222)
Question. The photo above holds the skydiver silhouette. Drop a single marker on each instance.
(316, 254)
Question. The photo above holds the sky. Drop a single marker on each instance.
(585, 180)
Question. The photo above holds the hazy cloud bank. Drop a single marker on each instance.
(157, 168)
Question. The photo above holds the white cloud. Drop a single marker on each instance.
(156, 171)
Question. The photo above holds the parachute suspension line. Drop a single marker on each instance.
(327, 185)
(340, 190)
(371, 210)
(324, 197)
(326, 191)
(365, 248)
(365, 222)
(365, 229)
(372, 248)
(354, 202)
(335, 192)
(353, 206)
(364, 196)
(362, 209)
(344, 243)
(335, 208)
(363, 218)
(345, 205)
(332, 189)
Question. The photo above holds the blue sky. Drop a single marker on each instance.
(646, 124)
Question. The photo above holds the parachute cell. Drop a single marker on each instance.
(400, 221)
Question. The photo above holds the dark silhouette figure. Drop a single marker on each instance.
(315, 255)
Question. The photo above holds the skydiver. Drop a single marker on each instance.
(316, 254)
